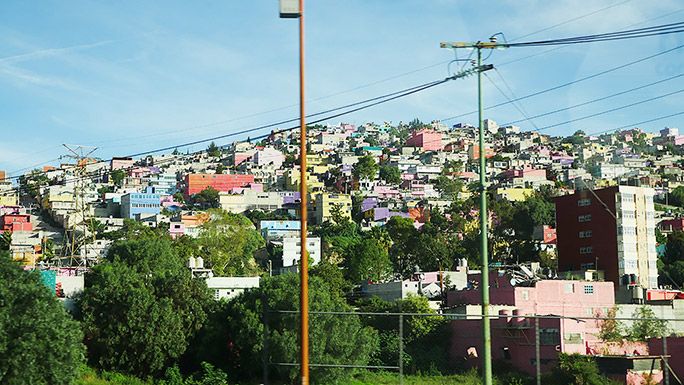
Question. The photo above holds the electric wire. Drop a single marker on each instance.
(376, 101)
(596, 100)
(610, 110)
(566, 84)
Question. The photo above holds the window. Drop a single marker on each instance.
(588, 289)
(586, 250)
(584, 202)
(549, 336)
(584, 218)
(629, 230)
(585, 234)
(627, 197)
(573, 338)
(628, 215)
(569, 288)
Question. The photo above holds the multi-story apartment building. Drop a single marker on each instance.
(134, 205)
(611, 229)
(324, 205)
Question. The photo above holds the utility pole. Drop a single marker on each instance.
(484, 258)
(295, 9)
(79, 153)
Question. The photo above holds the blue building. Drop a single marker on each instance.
(275, 229)
(164, 183)
(136, 205)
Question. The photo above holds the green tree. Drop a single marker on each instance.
(426, 338)
(220, 168)
(365, 168)
(390, 174)
(228, 242)
(5, 240)
(39, 342)
(33, 182)
(578, 370)
(369, 260)
(141, 307)
(335, 339)
(402, 252)
(448, 186)
(674, 249)
(207, 198)
(647, 325)
(213, 150)
(118, 176)
(611, 329)
(676, 196)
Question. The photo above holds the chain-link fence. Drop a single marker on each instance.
(523, 346)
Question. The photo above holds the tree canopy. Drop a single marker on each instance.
(390, 174)
(39, 342)
(365, 168)
(141, 307)
(228, 242)
(334, 339)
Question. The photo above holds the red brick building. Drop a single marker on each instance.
(611, 229)
(15, 222)
(195, 183)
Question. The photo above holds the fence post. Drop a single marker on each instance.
(264, 353)
(401, 349)
(537, 348)
(666, 369)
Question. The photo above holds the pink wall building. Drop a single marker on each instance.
(513, 334)
(428, 140)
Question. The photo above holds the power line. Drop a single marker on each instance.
(571, 20)
(595, 75)
(663, 29)
(610, 110)
(632, 125)
(595, 100)
(376, 101)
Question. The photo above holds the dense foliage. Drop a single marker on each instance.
(141, 307)
(240, 323)
(39, 342)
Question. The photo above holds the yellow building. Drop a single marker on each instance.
(292, 181)
(9, 200)
(315, 160)
(324, 203)
(514, 194)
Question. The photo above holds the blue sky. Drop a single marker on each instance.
(129, 76)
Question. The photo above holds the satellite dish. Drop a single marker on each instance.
(513, 282)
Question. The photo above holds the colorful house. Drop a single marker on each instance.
(195, 183)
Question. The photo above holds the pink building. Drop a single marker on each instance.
(176, 229)
(513, 334)
(428, 140)
(386, 191)
(526, 174)
(118, 163)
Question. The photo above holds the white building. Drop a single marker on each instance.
(230, 287)
(292, 251)
(251, 200)
(636, 234)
